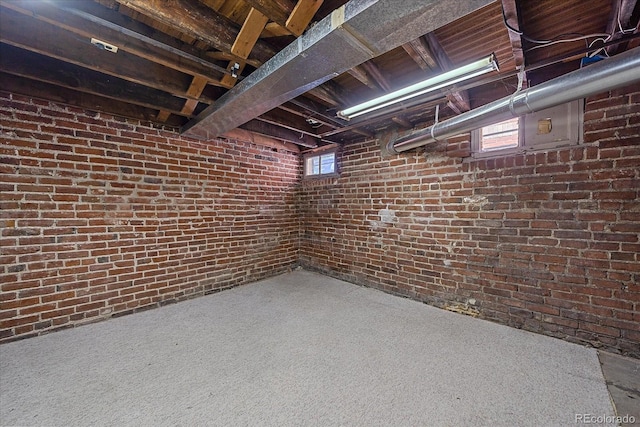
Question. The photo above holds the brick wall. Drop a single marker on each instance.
(546, 241)
(102, 216)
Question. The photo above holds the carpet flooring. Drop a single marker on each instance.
(298, 349)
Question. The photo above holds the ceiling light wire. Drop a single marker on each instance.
(559, 38)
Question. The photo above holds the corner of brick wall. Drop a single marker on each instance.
(546, 241)
(103, 216)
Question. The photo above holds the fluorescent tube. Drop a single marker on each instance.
(443, 80)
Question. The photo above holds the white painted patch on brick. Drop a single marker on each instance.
(476, 200)
(387, 216)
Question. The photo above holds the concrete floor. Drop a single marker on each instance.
(622, 376)
(299, 349)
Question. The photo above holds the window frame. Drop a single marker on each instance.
(476, 143)
(575, 133)
(319, 154)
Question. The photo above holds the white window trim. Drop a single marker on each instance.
(309, 155)
(475, 144)
(523, 145)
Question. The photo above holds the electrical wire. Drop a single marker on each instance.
(574, 39)
(623, 31)
(602, 49)
(604, 37)
(613, 33)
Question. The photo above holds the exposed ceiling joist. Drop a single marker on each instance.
(277, 10)
(45, 39)
(53, 71)
(274, 131)
(136, 30)
(244, 43)
(419, 51)
(372, 69)
(87, 101)
(290, 17)
(315, 111)
(89, 26)
(620, 17)
(195, 90)
(301, 15)
(402, 122)
(294, 123)
(199, 21)
(273, 29)
(330, 92)
(458, 99)
(361, 75)
(353, 34)
(166, 71)
(249, 34)
(510, 11)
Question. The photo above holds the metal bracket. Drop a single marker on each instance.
(234, 70)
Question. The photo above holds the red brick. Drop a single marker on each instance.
(141, 215)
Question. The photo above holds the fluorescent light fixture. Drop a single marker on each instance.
(443, 80)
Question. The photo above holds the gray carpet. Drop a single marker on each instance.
(298, 349)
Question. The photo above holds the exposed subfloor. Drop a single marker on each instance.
(298, 349)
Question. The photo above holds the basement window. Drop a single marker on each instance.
(546, 129)
(317, 165)
(498, 136)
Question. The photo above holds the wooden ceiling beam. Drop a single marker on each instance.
(319, 125)
(46, 39)
(189, 107)
(273, 29)
(281, 133)
(510, 10)
(292, 122)
(458, 99)
(136, 29)
(89, 26)
(213, 4)
(277, 10)
(621, 12)
(329, 92)
(402, 122)
(302, 15)
(419, 51)
(163, 116)
(294, 17)
(37, 67)
(195, 90)
(372, 69)
(47, 92)
(313, 110)
(249, 33)
(198, 21)
(361, 75)
(244, 43)
(228, 56)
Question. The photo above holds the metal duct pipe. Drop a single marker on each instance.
(352, 34)
(621, 70)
